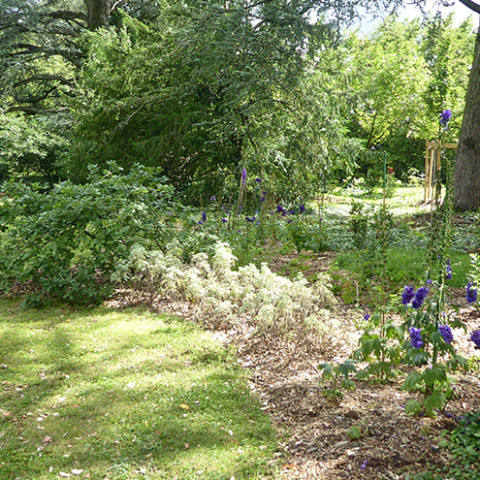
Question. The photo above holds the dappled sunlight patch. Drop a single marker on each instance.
(143, 397)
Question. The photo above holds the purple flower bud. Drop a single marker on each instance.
(244, 176)
(448, 270)
(471, 293)
(420, 296)
(445, 117)
(258, 180)
(224, 220)
(416, 337)
(475, 338)
(407, 294)
(301, 208)
(446, 333)
(213, 198)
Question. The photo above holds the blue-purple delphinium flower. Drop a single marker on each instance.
(281, 210)
(407, 294)
(213, 198)
(204, 217)
(448, 270)
(292, 211)
(250, 219)
(366, 317)
(289, 221)
(471, 293)
(200, 223)
(264, 194)
(475, 338)
(244, 176)
(224, 220)
(420, 296)
(445, 117)
(301, 208)
(416, 337)
(258, 180)
(363, 466)
(446, 333)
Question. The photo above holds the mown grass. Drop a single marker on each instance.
(104, 394)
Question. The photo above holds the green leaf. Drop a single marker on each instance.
(413, 407)
(354, 433)
(413, 381)
(434, 375)
(434, 402)
(346, 368)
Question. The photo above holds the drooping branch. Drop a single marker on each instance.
(471, 5)
(27, 48)
(44, 78)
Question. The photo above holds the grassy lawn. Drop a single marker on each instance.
(104, 394)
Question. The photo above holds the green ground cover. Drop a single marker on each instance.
(123, 395)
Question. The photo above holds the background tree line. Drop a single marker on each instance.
(205, 89)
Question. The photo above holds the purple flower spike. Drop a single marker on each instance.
(445, 117)
(244, 176)
(475, 338)
(204, 217)
(301, 208)
(420, 296)
(416, 337)
(448, 270)
(446, 333)
(407, 294)
(471, 293)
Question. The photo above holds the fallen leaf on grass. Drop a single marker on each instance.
(184, 406)
(187, 445)
(77, 471)
(64, 474)
(47, 439)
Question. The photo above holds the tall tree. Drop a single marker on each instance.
(467, 166)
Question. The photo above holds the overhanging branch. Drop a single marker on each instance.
(471, 5)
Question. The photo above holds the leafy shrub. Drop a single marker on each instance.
(65, 243)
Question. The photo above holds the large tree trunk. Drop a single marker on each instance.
(467, 166)
(98, 13)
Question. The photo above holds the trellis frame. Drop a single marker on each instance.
(433, 161)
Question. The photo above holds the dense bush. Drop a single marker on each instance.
(65, 243)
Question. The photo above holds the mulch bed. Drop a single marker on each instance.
(314, 429)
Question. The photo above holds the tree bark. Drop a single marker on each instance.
(467, 165)
(98, 13)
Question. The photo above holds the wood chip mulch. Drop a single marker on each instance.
(313, 430)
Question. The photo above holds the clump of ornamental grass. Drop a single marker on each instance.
(291, 310)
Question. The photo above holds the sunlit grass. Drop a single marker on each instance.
(123, 395)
